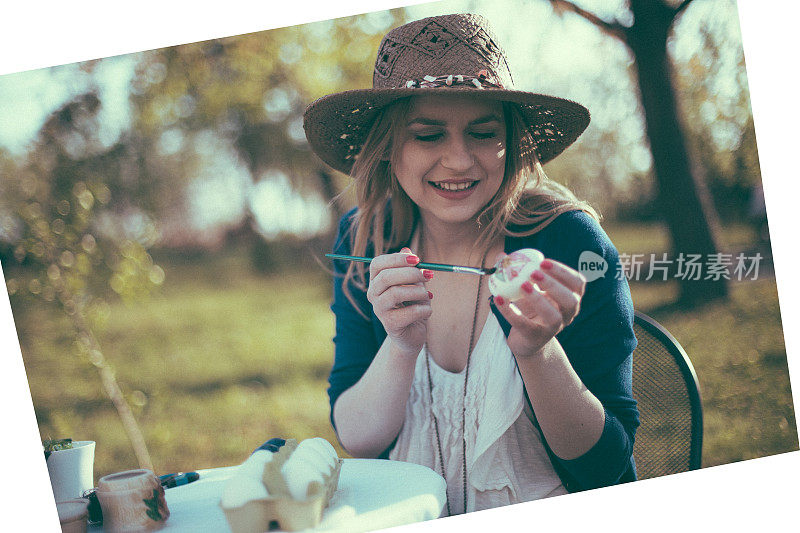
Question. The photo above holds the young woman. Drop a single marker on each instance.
(508, 401)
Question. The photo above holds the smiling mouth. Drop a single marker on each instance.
(453, 186)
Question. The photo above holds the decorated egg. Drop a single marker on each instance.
(512, 271)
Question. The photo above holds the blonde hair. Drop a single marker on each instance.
(526, 202)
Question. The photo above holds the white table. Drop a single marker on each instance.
(372, 494)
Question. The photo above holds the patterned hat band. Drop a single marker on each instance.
(481, 81)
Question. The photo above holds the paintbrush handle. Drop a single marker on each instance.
(350, 258)
(428, 266)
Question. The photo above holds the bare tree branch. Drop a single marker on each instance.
(610, 28)
(683, 5)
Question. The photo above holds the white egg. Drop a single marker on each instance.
(315, 455)
(324, 445)
(314, 459)
(254, 465)
(241, 489)
(512, 271)
(298, 475)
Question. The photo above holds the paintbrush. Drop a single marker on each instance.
(427, 266)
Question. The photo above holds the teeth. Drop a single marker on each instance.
(454, 186)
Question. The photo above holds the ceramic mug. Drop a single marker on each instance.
(132, 501)
(72, 470)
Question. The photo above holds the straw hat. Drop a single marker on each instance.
(457, 53)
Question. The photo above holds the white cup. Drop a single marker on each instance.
(72, 470)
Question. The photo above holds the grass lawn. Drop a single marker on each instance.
(222, 359)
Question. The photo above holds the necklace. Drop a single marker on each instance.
(464, 398)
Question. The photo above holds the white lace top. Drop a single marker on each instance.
(506, 461)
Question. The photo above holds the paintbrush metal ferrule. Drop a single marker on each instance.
(470, 270)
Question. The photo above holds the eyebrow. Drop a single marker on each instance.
(431, 122)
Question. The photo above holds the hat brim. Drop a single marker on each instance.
(337, 124)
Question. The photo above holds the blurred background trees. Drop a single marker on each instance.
(682, 196)
(66, 216)
(240, 101)
(206, 183)
(213, 152)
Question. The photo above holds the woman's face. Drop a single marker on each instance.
(451, 155)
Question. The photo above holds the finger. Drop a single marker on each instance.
(400, 259)
(394, 269)
(402, 317)
(565, 300)
(574, 280)
(537, 306)
(391, 277)
(399, 296)
(530, 314)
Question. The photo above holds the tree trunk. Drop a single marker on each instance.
(110, 385)
(682, 197)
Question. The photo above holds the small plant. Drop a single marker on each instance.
(51, 446)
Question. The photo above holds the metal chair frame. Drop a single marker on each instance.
(689, 376)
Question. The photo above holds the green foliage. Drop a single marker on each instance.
(59, 444)
(248, 92)
(66, 250)
(717, 118)
(611, 165)
(51, 446)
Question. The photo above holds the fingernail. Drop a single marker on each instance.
(527, 287)
(537, 276)
(405, 250)
(499, 300)
(412, 259)
(427, 274)
(546, 264)
(430, 295)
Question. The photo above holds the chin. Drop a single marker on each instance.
(456, 215)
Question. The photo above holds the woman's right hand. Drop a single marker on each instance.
(399, 298)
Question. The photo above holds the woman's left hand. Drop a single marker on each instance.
(545, 312)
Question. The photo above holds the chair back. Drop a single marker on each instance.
(670, 436)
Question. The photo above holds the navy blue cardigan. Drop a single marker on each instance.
(599, 343)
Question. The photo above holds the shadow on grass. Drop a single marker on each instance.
(257, 379)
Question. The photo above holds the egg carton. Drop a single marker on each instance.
(280, 510)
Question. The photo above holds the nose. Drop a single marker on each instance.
(457, 155)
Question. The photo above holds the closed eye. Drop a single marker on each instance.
(483, 134)
(433, 137)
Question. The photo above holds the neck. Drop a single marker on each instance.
(450, 243)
